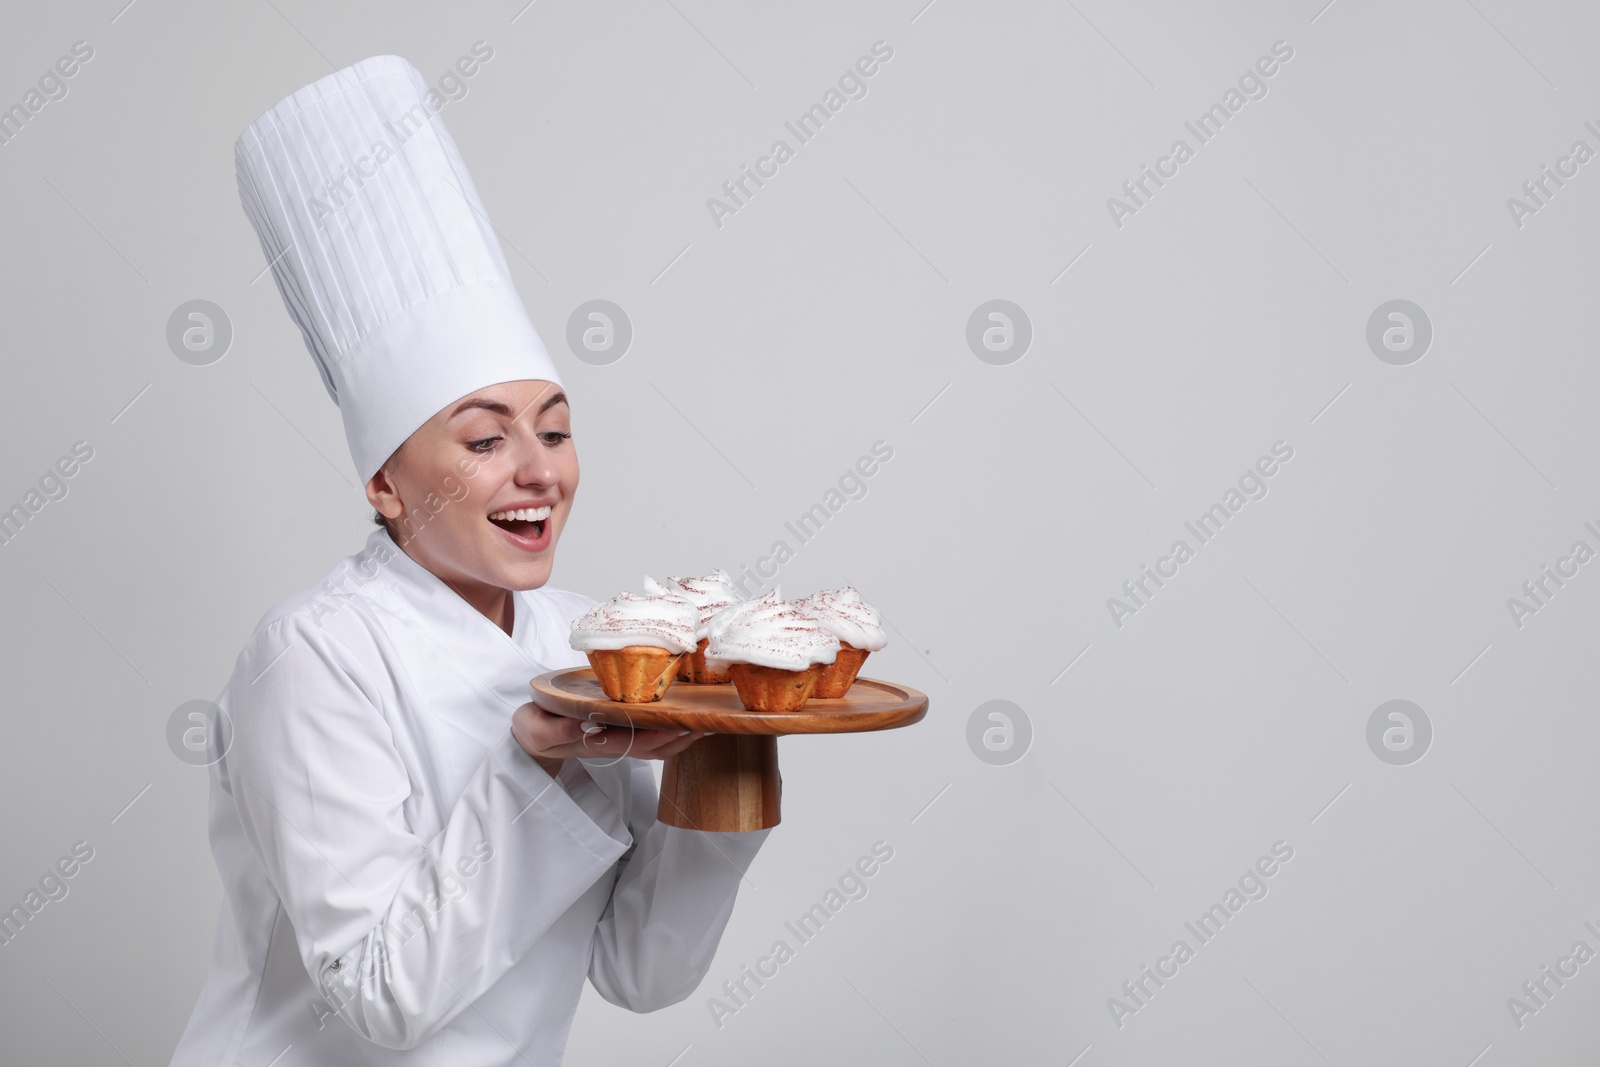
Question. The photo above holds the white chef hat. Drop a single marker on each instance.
(383, 252)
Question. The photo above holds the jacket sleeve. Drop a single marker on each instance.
(669, 906)
(399, 933)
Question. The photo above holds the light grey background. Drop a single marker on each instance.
(1229, 313)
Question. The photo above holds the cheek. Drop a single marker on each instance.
(480, 487)
(451, 496)
(565, 468)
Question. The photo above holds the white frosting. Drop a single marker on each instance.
(769, 632)
(710, 594)
(664, 620)
(844, 614)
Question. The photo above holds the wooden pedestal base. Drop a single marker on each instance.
(722, 783)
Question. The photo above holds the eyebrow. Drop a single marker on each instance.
(501, 409)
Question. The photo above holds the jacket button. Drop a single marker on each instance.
(336, 965)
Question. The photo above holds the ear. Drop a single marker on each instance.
(384, 496)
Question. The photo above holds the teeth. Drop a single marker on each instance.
(526, 514)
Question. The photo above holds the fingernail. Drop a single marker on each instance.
(681, 733)
(591, 728)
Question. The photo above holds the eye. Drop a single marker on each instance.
(484, 445)
(554, 437)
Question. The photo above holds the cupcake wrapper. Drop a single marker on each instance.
(771, 689)
(837, 677)
(637, 674)
(693, 669)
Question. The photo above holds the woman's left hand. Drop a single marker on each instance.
(545, 735)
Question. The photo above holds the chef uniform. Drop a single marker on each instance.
(402, 883)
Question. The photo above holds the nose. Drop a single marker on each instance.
(533, 466)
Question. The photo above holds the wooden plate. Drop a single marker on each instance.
(869, 705)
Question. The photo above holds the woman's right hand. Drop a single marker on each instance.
(550, 738)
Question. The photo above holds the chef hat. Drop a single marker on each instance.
(383, 252)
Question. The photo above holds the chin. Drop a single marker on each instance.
(525, 575)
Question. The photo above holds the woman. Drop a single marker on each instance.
(412, 856)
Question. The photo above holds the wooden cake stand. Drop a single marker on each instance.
(728, 780)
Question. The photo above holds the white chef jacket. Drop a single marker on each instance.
(402, 883)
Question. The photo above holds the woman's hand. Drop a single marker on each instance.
(550, 738)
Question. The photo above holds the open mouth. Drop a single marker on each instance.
(523, 522)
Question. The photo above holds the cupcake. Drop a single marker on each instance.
(772, 652)
(856, 624)
(634, 643)
(711, 594)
